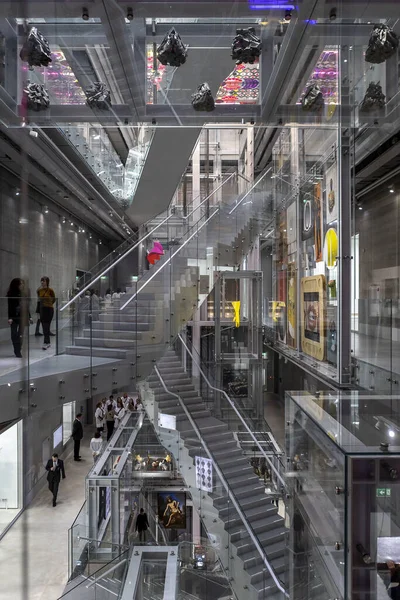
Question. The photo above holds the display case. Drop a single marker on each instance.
(343, 465)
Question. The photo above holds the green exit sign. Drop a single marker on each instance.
(383, 492)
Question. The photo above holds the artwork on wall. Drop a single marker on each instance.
(280, 307)
(242, 86)
(306, 214)
(331, 248)
(291, 304)
(331, 335)
(318, 225)
(172, 509)
(332, 197)
(313, 302)
(204, 474)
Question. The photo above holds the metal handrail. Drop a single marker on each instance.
(236, 411)
(89, 285)
(209, 195)
(226, 486)
(110, 570)
(248, 192)
(168, 260)
(86, 539)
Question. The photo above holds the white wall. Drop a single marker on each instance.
(9, 471)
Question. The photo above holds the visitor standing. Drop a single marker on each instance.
(77, 435)
(47, 298)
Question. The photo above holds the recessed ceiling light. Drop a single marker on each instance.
(45, 209)
(391, 190)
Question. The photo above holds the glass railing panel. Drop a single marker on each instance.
(151, 579)
(97, 583)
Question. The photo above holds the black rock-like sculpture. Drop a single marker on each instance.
(202, 99)
(313, 99)
(98, 96)
(36, 50)
(36, 97)
(246, 46)
(374, 98)
(172, 50)
(383, 43)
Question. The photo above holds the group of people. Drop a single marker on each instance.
(19, 316)
(108, 416)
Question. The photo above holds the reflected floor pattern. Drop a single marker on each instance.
(34, 553)
(376, 351)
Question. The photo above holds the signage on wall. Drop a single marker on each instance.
(331, 194)
(383, 492)
(204, 474)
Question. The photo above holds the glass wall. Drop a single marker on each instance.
(10, 475)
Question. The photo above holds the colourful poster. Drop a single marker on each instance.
(313, 307)
(331, 194)
(318, 222)
(291, 305)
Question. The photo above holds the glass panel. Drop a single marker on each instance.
(10, 475)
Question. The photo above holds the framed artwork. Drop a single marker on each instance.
(331, 248)
(172, 509)
(306, 214)
(280, 306)
(313, 309)
(332, 196)
(291, 305)
(318, 222)
(204, 474)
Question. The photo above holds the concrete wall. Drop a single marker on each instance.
(41, 246)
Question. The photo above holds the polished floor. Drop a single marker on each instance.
(34, 552)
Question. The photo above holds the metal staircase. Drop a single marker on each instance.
(262, 516)
(155, 308)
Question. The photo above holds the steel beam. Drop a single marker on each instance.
(127, 55)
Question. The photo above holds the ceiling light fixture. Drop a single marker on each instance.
(129, 13)
(391, 190)
(17, 192)
(45, 209)
(96, 137)
(63, 220)
(100, 173)
(85, 14)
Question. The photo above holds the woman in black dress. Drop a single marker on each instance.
(18, 313)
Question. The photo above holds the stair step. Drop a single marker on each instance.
(105, 343)
(99, 352)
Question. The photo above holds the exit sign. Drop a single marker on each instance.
(383, 492)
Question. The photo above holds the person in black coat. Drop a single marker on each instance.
(55, 468)
(142, 525)
(18, 313)
(77, 435)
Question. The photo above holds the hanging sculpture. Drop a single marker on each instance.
(374, 98)
(383, 44)
(172, 50)
(36, 97)
(202, 99)
(98, 96)
(313, 99)
(36, 50)
(246, 46)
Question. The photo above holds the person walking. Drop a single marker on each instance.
(99, 417)
(37, 330)
(142, 525)
(110, 419)
(55, 468)
(18, 313)
(47, 298)
(96, 444)
(95, 305)
(77, 435)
